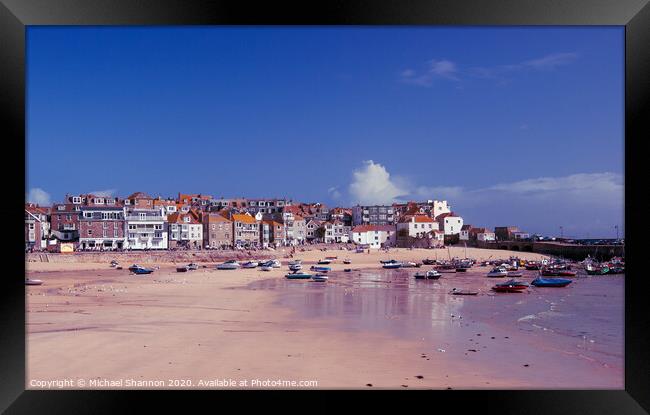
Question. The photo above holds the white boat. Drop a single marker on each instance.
(498, 272)
(433, 274)
(320, 278)
(275, 263)
(409, 264)
(296, 262)
(266, 268)
(249, 264)
(232, 264)
(33, 282)
(295, 267)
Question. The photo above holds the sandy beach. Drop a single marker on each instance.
(93, 327)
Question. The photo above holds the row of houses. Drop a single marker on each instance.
(196, 221)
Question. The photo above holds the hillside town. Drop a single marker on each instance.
(90, 222)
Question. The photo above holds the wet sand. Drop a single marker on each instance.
(371, 326)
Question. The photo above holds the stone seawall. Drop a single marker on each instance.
(130, 257)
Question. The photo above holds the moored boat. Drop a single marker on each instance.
(320, 278)
(566, 273)
(320, 269)
(433, 274)
(298, 276)
(456, 291)
(295, 267)
(249, 264)
(232, 264)
(550, 282)
(347, 261)
(140, 270)
(510, 286)
(409, 264)
(515, 274)
(497, 272)
(392, 265)
(266, 268)
(182, 268)
(429, 261)
(192, 266)
(324, 261)
(29, 281)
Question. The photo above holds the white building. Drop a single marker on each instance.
(464, 232)
(486, 236)
(438, 207)
(336, 231)
(450, 223)
(417, 225)
(374, 235)
(145, 228)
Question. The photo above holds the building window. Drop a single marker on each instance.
(104, 233)
(105, 225)
(115, 233)
(90, 232)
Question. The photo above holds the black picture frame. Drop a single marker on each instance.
(16, 15)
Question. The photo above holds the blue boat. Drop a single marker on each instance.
(392, 265)
(137, 269)
(550, 282)
(321, 269)
(298, 276)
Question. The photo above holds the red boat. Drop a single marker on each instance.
(511, 286)
(566, 273)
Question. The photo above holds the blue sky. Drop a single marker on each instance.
(515, 125)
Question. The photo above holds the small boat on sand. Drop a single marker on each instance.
(456, 291)
(137, 269)
(295, 267)
(114, 263)
(347, 261)
(266, 268)
(550, 282)
(295, 262)
(347, 270)
(33, 282)
(392, 265)
(429, 261)
(192, 266)
(497, 272)
(298, 276)
(331, 258)
(249, 264)
(232, 264)
(182, 268)
(320, 269)
(320, 278)
(324, 261)
(511, 286)
(410, 264)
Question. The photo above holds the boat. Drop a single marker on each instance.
(455, 291)
(429, 261)
(515, 274)
(182, 268)
(331, 258)
(511, 286)
(347, 261)
(324, 261)
(550, 282)
(33, 282)
(275, 263)
(420, 276)
(531, 266)
(192, 266)
(433, 274)
(140, 270)
(232, 264)
(392, 265)
(497, 272)
(114, 263)
(249, 264)
(347, 270)
(616, 270)
(410, 264)
(295, 262)
(461, 269)
(266, 268)
(320, 269)
(566, 273)
(298, 276)
(320, 278)
(295, 267)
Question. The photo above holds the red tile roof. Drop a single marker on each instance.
(238, 217)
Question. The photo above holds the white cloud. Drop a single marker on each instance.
(38, 196)
(551, 61)
(372, 185)
(103, 193)
(334, 192)
(600, 183)
(442, 68)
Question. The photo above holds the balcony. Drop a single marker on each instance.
(148, 218)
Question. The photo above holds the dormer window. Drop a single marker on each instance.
(60, 207)
(76, 199)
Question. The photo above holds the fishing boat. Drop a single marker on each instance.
(249, 264)
(232, 264)
(320, 278)
(192, 266)
(182, 268)
(392, 265)
(320, 269)
(455, 291)
(550, 282)
(140, 270)
(511, 286)
(347, 261)
(429, 261)
(324, 261)
(497, 272)
(298, 276)
(33, 282)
